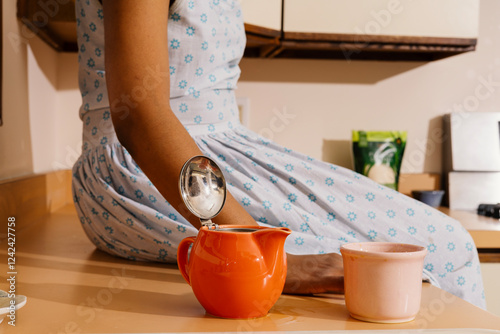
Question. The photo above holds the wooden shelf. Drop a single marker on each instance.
(352, 46)
(58, 29)
(261, 42)
(54, 25)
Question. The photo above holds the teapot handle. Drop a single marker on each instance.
(182, 257)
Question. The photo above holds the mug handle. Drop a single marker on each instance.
(182, 257)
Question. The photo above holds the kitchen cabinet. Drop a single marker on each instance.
(262, 13)
(422, 18)
(263, 22)
(421, 30)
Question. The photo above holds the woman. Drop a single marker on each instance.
(164, 93)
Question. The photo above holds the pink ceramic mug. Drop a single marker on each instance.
(383, 280)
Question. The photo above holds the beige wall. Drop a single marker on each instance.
(308, 105)
(325, 100)
(491, 272)
(42, 97)
(41, 131)
(68, 104)
(54, 101)
(15, 139)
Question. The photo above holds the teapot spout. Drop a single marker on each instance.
(271, 242)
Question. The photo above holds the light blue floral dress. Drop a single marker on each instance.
(326, 206)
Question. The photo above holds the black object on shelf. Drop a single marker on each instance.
(489, 210)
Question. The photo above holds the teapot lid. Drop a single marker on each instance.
(203, 188)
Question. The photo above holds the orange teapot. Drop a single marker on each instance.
(234, 271)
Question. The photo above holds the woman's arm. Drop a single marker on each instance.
(136, 51)
(137, 65)
(309, 274)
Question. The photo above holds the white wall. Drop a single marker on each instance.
(328, 99)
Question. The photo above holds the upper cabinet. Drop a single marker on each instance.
(262, 13)
(419, 30)
(364, 29)
(422, 18)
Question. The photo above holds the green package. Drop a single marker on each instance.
(379, 154)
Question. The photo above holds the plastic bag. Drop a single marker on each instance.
(379, 154)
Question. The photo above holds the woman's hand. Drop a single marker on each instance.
(309, 274)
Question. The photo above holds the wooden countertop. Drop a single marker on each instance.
(71, 287)
(484, 230)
